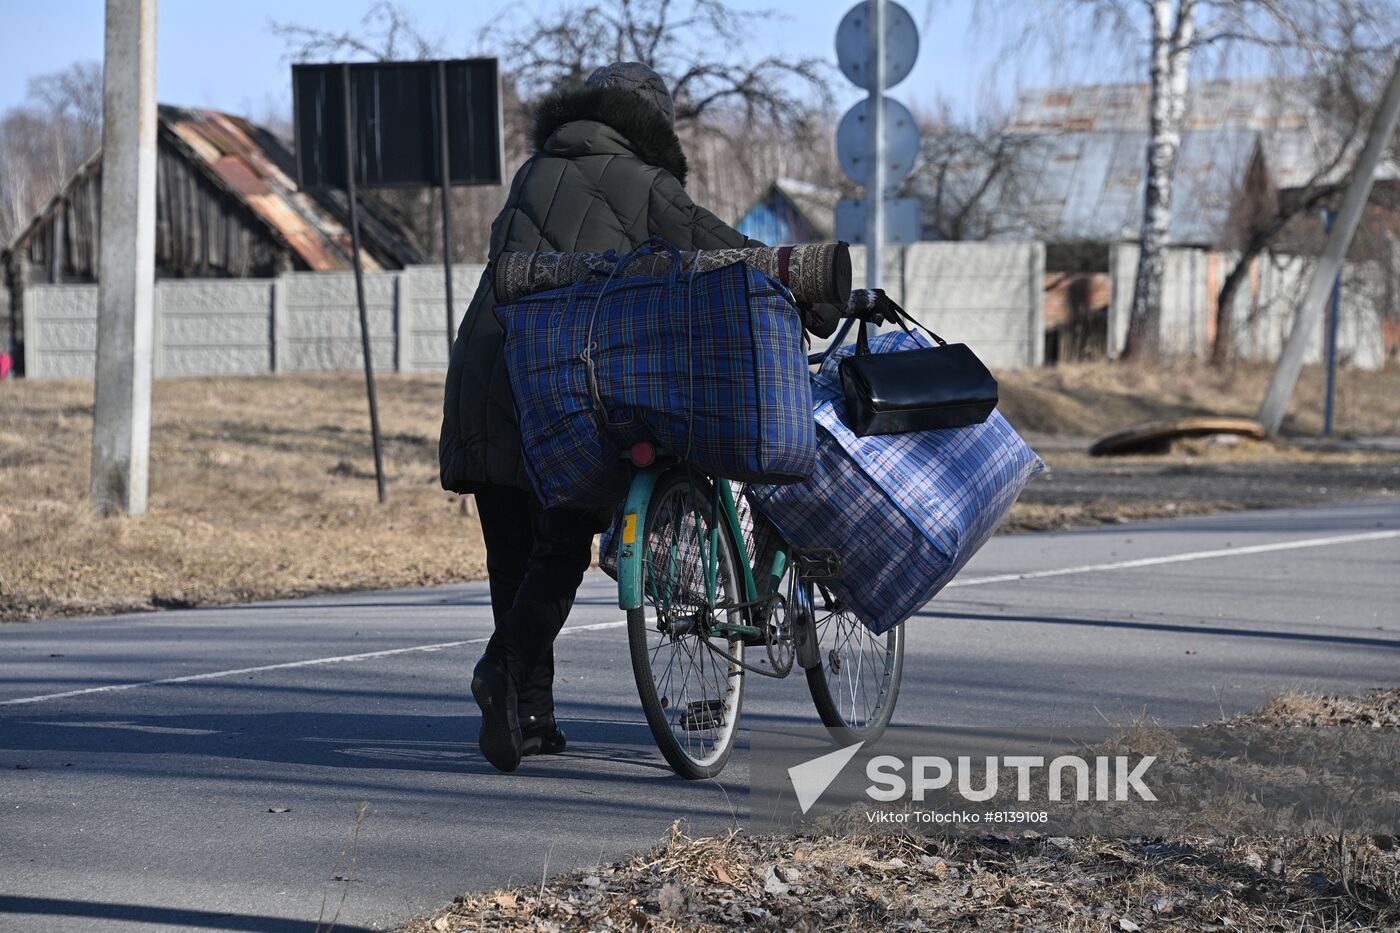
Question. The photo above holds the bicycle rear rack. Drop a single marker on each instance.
(818, 563)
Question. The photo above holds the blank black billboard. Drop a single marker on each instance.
(396, 107)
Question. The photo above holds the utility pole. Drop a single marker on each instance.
(1329, 264)
(121, 429)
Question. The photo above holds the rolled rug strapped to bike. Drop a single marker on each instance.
(709, 365)
(816, 274)
(904, 512)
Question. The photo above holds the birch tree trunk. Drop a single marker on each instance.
(1170, 75)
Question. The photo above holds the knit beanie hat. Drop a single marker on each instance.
(639, 80)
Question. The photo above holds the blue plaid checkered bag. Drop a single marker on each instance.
(905, 512)
(710, 366)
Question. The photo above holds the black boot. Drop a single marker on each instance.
(541, 735)
(494, 691)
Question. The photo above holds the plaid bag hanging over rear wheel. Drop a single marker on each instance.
(903, 512)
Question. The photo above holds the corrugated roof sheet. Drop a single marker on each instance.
(1295, 136)
(254, 166)
(1088, 185)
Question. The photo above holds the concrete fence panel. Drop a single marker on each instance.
(207, 327)
(987, 295)
(1263, 309)
(322, 327)
(60, 331)
(891, 273)
(423, 336)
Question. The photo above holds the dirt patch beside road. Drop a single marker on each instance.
(1197, 477)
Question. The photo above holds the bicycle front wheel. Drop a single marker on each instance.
(857, 682)
(690, 676)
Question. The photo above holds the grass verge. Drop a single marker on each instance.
(263, 487)
(992, 882)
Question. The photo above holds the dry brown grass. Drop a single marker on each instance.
(1090, 399)
(903, 881)
(260, 488)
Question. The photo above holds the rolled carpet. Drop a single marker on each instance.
(818, 273)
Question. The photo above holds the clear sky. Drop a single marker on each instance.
(223, 54)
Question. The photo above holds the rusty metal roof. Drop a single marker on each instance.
(253, 166)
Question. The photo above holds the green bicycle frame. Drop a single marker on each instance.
(630, 565)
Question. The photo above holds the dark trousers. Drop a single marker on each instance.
(536, 559)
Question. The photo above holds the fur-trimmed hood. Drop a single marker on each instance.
(644, 128)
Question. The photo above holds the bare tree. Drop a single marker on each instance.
(1173, 35)
(387, 32)
(688, 42)
(744, 121)
(1340, 103)
(973, 178)
(45, 139)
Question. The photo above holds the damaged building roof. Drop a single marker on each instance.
(227, 204)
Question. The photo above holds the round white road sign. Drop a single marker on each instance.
(901, 44)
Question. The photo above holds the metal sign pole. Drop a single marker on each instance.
(444, 155)
(875, 190)
(1334, 314)
(360, 281)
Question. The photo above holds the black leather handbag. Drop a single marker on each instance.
(945, 386)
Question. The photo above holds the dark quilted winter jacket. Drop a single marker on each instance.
(607, 174)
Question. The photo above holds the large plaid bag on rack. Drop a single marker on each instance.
(710, 366)
(904, 512)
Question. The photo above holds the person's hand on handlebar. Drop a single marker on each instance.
(870, 305)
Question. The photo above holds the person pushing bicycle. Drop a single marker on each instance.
(608, 173)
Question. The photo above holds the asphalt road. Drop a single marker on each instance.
(142, 757)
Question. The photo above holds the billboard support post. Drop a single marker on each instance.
(349, 111)
(394, 125)
(445, 155)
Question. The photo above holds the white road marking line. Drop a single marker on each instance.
(598, 626)
(1180, 558)
(342, 659)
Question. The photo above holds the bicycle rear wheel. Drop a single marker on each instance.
(856, 685)
(690, 678)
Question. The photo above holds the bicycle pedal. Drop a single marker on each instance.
(817, 563)
(702, 715)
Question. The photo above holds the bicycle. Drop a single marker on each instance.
(697, 594)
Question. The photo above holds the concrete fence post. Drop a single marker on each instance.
(157, 331)
(29, 330)
(1035, 352)
(403, 314)
(277, 324)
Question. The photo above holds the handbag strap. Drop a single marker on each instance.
(876, 300)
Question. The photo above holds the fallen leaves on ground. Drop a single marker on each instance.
(993, 882)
